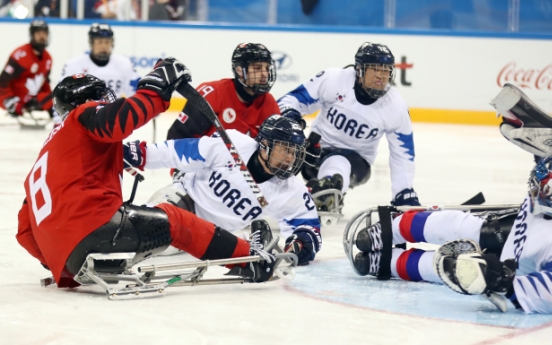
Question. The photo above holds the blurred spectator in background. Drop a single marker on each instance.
(14, 8)
(112, 9)
(167, 10)
(47, 8)
(25, 80)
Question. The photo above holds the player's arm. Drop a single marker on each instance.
(305, 99)
(401, 161)
(115, 121)
(25, 235)
(533, 292)
(191, 123)
(11, 71)
(301, 228)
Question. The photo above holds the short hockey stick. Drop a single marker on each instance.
(196, 99)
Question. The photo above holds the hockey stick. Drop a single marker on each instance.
(196, 99)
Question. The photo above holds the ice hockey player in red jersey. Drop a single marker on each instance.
(73, 202)
(241, 103)
(25, 80)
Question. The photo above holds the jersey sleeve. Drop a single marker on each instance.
(11, 71)
(25, 235)
(116, 121)
(533, 292)
(187, 155)
(307, 97)
(401, 153)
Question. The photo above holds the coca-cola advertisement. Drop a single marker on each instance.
(526, 77)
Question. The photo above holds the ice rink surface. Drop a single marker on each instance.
(327, 303)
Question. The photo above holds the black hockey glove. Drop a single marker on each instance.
(134, 154)
(294, 115)
(165, 77)
(406, 197)
(305, 243)
(313, 149)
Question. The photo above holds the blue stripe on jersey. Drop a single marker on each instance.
(408, 143)
(134, 84)
(412, 265)
(540, 277)
(547, 267)
(532, 281)
(297, 222)
(188, 148)
(417, 226)
(302, 95)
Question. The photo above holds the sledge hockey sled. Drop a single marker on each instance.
(329, 203)
(108, 270)
(363, 220)
(31, 120)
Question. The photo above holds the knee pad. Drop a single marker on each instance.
(495, 229)
(153, 229)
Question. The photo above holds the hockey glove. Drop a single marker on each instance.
(294, 115)
(165, 77)
(134, 154)
(14, 106)
(313, 149)
(406, 197)
(305, 243)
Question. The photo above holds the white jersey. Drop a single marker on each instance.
(219, 190)
(119, 73)
(344, 123)
(530, 244)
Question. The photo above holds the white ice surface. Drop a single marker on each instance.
(326, 303)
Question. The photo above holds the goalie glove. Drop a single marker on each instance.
(165, 77)
(134, 154)
(305, 243)
(538, 141)
(475, 273)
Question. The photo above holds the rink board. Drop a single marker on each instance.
(335, 281)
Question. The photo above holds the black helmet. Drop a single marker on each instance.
(78, 89)
(246, 53)
(284, 131)
(38, 25)
(374, 54)
(100, 30)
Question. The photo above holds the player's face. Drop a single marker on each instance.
(102, 46)
(257, 73)
(377, 76)
(40, 37)
(283, 156)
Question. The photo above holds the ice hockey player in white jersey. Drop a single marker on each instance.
(115, 70)
(215, 190)
(357, 107)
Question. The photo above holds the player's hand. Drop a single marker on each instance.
(167, 74)
(14, 106)
(32, 104)
(406, 197)
(294, 115)
(134, 154)
(313, 149)
(304, 243)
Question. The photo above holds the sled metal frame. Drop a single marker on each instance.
(332, 216)
(363, 219)
(153, 280)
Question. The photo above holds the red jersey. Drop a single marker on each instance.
(27, 75)
(75, 185)
(232, 113)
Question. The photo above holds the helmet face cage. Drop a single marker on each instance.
(281, 137)
(39, 25)
(376, 57)
(540, 187)
(243, 56)
(100, 31)
(79, 89)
